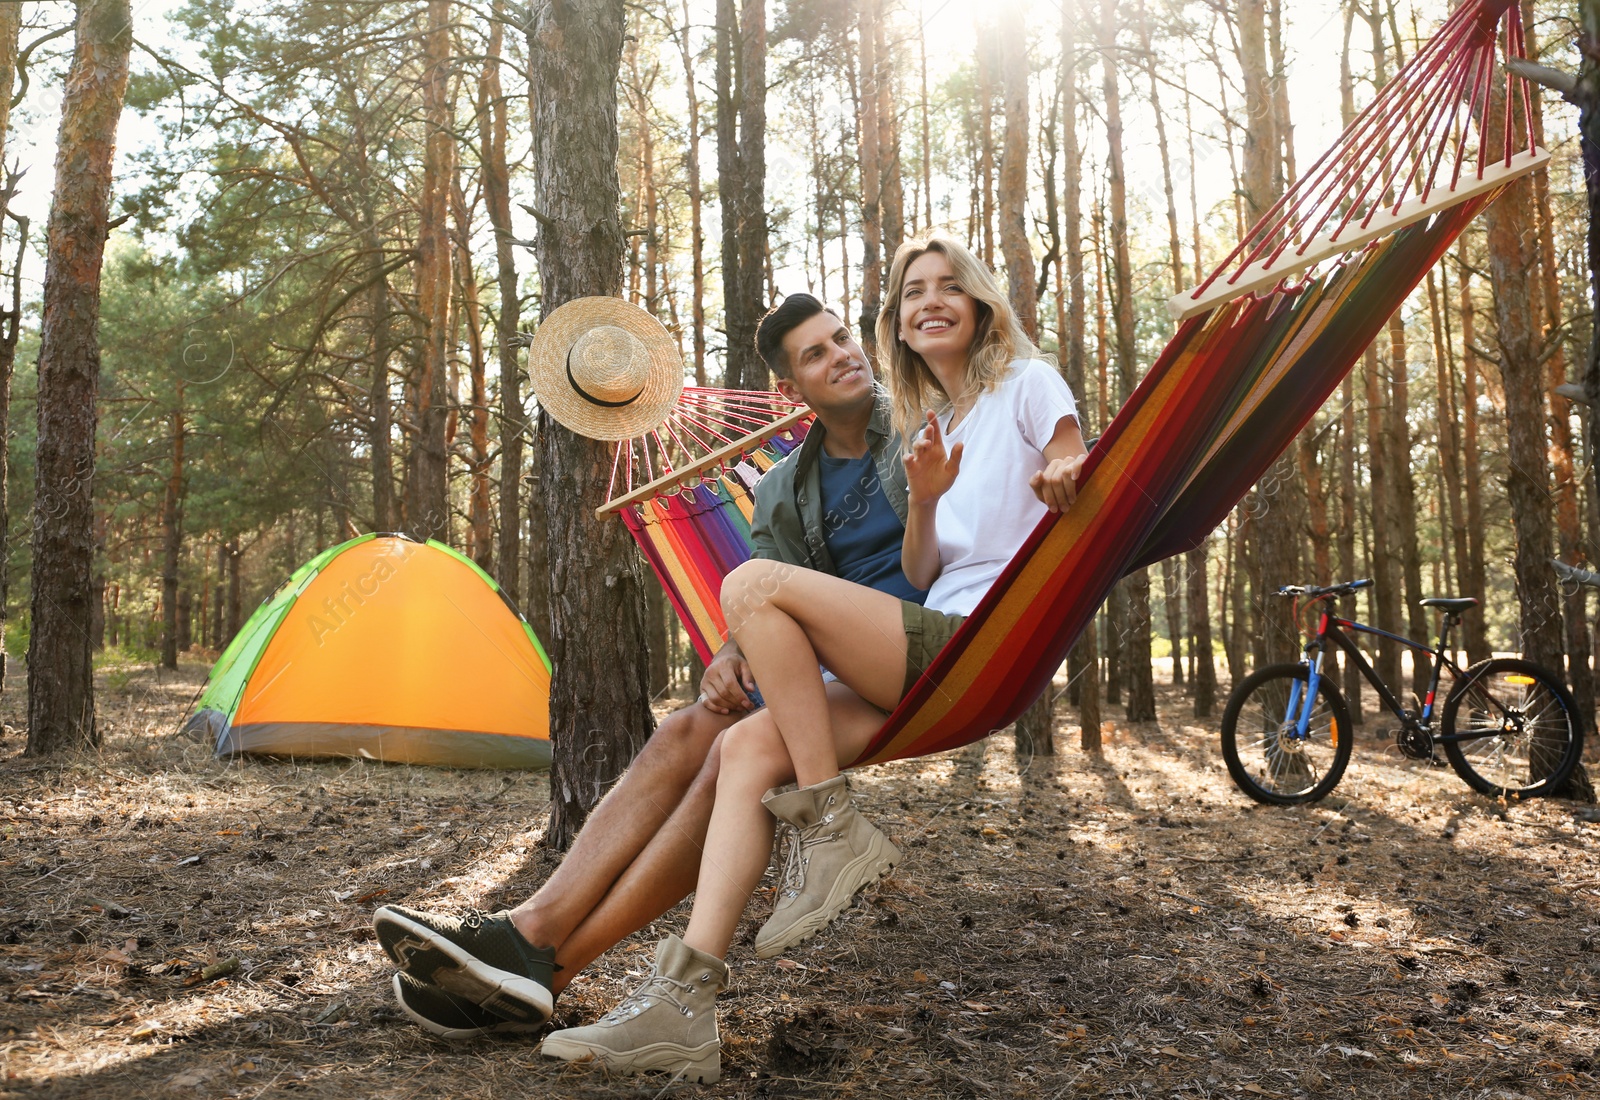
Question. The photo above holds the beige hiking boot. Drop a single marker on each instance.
(668, 1024)
(833, 853)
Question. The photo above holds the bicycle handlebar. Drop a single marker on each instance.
(1332, 590)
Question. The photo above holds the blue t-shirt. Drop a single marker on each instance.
(860, 527)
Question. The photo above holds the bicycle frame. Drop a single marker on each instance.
(1333, 627)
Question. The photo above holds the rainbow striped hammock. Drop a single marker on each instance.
(1260, 345)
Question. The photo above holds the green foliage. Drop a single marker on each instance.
(18, 628)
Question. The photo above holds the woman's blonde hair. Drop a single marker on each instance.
(998, 340)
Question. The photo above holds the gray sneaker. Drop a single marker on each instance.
(449, 1016)
(480, 957)
(667, 1025)
(833, 852)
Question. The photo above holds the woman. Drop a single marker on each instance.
(957, 357)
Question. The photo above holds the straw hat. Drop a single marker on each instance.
(605, 369)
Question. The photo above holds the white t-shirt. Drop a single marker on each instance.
(990, 509)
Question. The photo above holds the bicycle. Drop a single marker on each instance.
(1508, 727)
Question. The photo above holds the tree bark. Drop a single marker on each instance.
(1404, 498)
(867, 134)
(1141, 706)
(1586, 95)
(983, 179)
(741, 182)
(1477, 632)
(1568, 525)
(1449, 415)
(599, 709)
(10, 319)
(513, 416)
(427, 467)
(697, 235)
(1014, 243)
(1513, 254)
(60, 670)
(172, 539)
(1085, 666)
(1277, 636)
(892, 197)
(235, 618)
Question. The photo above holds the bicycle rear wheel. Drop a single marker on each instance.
(1511, 728)
(1266, 757)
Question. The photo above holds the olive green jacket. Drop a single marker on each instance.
(789, 523)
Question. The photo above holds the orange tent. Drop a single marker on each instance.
(386, 649)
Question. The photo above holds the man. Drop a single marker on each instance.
(822, 507)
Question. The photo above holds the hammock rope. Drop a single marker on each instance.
(1261, 344)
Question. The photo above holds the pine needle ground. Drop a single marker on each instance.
(1128, 926)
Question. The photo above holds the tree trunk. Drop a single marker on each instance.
(1141, 705)
(1568, 525)
(983, 179)
(1205, 668)
(185, 620)
(599, 697)
(1512, 255)
(867, 134)
(892, 196)
(1449, 416)
(1386, 593)
(1014, 243)
(1034, 730)
(383, 507)
(697, 235)
(1086, 674)
(10, 319)
(741, 181)
(480, 524)
(1172, 602)
(427, 467)
(1477, 627)
(1277, 636)
(60, 671)
(235, 618)
(219, 601)
(172, 540)
(513, 416)
(1587, 97)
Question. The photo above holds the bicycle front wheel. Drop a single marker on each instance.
(1267, 757)
(1510, 728)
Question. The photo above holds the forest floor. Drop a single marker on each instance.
(1125, 925)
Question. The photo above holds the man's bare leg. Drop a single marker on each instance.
(627, 821)
(660, 877)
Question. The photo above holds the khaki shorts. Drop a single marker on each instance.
(927, 631)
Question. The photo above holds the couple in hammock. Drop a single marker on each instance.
(912, 538)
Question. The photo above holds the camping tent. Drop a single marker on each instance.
(387, 649)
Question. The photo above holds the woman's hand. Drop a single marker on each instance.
(1057, 484)
(929, 470)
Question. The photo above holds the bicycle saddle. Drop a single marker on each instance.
(1452, 604)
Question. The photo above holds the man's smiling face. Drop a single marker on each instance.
(827, 368)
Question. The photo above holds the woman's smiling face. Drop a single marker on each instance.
(938, 319)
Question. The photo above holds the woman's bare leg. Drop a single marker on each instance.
(739, 837)
(787, 620)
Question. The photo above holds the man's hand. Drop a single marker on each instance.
(929, 470)
(1056, 485)
(727, 678)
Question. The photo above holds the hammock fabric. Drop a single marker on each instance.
(694, 537)
(1254, 357)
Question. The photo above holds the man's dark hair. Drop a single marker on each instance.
(779, 321)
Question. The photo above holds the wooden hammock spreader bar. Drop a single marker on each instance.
(1266, 275)
(700, 465)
